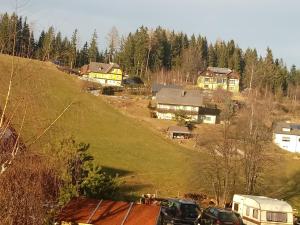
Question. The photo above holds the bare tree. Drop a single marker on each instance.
(113, 40)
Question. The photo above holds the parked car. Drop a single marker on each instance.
(177, 212)
(212, 216)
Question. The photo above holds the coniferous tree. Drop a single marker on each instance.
(93, 49)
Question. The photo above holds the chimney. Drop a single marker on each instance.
(183, 92)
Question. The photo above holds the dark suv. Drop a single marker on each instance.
(177, 211)
(214, 216)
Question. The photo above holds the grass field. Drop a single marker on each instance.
(146, 160)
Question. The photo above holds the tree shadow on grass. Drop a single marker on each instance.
(127, 191)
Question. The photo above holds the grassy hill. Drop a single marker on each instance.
(144, 159)
(147, 161)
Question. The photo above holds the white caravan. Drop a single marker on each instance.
(262, 210)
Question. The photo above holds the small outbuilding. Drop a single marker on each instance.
(177, 132)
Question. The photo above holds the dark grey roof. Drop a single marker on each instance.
(178, 96)
(178, 129)
(155, 87)
(219, 70)
(289, 128)
(102, 67)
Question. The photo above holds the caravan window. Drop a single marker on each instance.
(255, 213)
(236, 207)
(247, 211)
(277, 217)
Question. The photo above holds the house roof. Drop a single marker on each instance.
(287, 128)
(178, 96)
(221, 72)
(155, 87)
(178, 129)
(102, 212)
(101, 67)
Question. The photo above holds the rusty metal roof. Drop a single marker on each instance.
(105, 212)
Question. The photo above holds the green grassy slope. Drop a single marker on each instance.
(148, 161)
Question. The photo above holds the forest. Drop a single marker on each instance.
(146, 52)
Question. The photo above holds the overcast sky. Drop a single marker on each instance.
(251, 23)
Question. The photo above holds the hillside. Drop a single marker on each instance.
(121, 144)
(147, 161)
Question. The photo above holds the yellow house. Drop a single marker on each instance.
(224, 78)
(103, 73)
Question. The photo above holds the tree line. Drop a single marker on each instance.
(148, 51)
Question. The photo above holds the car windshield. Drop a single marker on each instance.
(189, 210)
(227, 216)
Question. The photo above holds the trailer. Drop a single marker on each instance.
(262, 210)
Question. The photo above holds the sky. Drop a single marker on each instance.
(250, 23)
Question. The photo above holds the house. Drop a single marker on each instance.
(262, 210)
(85, 211)
(172, 102)
(105, 74)
(287, 136)
(177, 132)
(224, 78)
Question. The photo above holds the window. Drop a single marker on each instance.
(277, 217)
(255, 213)
(206, 86)
(206, 80)
(231, 81)
(219, 80)
(236, 207)
(247, 211)
(286, 139)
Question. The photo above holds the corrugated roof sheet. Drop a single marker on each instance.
(176, 96)
(80, 210)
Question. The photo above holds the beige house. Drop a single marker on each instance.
(190, 103)
(224, 78)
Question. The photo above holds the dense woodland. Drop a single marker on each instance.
(146, 52)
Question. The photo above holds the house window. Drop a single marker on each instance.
(255, 213)
(236, 207)
(219, 80)
(206, 86)
(206, 80)
(232, 82)
(286, 139)
(277, 217)
(247, 211)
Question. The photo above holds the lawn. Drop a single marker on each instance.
(147, 161)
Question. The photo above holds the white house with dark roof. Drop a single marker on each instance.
(287, 136)
(174, 101)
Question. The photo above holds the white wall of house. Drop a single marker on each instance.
(287, 142)
(178, 107)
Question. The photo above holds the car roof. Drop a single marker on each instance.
(183, 201)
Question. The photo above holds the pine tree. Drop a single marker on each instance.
(212, 58)
(93, 49)
(73, 48)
